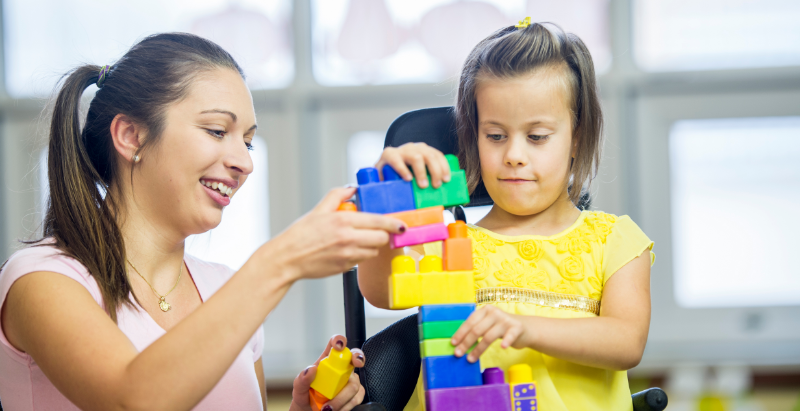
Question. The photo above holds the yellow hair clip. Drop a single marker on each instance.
(524, 23)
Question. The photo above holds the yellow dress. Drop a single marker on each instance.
(559, 276)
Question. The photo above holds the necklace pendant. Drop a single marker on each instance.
(163, 305)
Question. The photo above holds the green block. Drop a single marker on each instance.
(437, 347)
(449, 194)
(438, 329)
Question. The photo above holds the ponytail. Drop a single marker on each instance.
(82, 165)
(79, 216)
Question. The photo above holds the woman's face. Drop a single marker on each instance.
(524, 140)
(202, 158)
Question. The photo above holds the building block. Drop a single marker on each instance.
(423, 216)
(347, 206)
(333, 372)
(493, 375)
(438, 347)
(438, 329)
(388, 196)
(523, 389)
(448, 287)
(405, 283)
(431, 285)
(493, 397)
(449, 372)
(445, 312)
(449, 194)
(316, 400)
(419, 235)
(457, 249)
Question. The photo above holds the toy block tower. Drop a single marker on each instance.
(443, 287)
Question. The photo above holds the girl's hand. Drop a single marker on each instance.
(325, 241)
(490, 323)
(351, 395)
(418, 155)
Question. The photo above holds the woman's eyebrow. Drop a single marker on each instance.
(220, 111)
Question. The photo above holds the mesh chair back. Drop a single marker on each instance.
(435, 127)
(393, 364)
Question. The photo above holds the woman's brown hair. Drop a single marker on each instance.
(512, 52)
(82, 164)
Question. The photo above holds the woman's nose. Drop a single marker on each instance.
(239, 158)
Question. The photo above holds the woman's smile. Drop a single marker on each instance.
(220, 190)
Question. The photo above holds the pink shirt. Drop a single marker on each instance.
(23, 386)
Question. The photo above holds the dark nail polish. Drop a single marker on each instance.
(402, 229)
(360, 357)
(327, 408)
(305, 372)
(339, 345)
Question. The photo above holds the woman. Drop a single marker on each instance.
(106, 312)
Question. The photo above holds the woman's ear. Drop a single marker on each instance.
(127, 137)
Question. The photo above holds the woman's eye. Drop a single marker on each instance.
(216, 133)
(249, 146)
(537, 138)
(495, 137)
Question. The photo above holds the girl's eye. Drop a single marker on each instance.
(216, 133)
(495, 137)
(537, 138)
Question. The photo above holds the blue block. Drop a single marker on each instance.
(450, 372)
(528, 404)
(389, 196)
(444, 312)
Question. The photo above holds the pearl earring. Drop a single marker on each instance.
(135, 158)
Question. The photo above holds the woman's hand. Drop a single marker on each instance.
(351, 395)
(325, 241)
(418, 155)
(489, 323)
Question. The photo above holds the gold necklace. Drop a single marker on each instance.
(162, 303)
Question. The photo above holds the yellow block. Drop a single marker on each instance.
(333, 372)
(405, 291)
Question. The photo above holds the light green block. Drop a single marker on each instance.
(438, 329)
(437, 347)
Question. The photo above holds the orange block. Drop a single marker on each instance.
(347, 206)
(316, 400)
(457, 250)
(421, 216)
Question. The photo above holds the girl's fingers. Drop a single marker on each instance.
(511, 337)
(477, 331)
(417, 162)
(466, 327)
(445, 168)
(434, 168)
(399, 166)
(488, 338)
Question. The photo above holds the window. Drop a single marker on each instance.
(245, 222)
(401, 41)
(40, 47)
(674, 35)
(735, 188)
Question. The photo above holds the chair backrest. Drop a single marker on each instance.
(435, 127)
(393, 363)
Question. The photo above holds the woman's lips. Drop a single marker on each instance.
(217, 196)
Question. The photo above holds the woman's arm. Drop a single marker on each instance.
(262, 385)
(614, 340)
(85, 355)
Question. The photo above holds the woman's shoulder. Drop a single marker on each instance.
(44, 256)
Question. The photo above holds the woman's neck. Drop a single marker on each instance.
(550, 221)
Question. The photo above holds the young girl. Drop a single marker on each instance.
(563, 290)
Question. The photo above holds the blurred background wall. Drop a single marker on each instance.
(702, 105)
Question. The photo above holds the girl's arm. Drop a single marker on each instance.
(614, 340)
(87, 358)
(373, 274)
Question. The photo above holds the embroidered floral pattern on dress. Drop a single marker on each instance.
(518, 273)
(480, 270)
(577, 241)
(483, 243)
(530, 250)
(571, 269)
(596, 291)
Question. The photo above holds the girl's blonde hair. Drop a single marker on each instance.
(511, 52)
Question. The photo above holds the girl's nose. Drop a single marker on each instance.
(515, 152)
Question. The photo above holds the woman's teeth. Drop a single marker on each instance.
(222, 188)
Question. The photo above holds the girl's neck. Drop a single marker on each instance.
(554, 219)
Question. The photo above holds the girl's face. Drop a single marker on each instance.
(524, 140)
(202, 159)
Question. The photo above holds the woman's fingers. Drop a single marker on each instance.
(334, 197)
(372, 221)
(358, 360)
(348, 395)
(301, 385)
(336, 341)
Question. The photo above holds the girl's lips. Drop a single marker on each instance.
(515, 180)
(216, 196)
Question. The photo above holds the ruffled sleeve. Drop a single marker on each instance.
(625, 242)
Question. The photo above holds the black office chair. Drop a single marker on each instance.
(393, 361)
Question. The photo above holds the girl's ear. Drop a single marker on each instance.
(127, 137)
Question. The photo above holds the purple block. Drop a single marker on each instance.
(526, 390)
(479, 398)
(527, 404)
(419, 235)
(493, 375)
